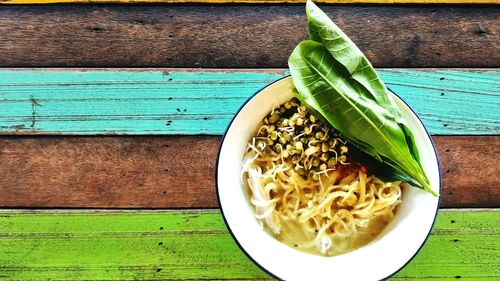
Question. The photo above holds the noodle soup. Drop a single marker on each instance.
(306, 188)
(398, 242)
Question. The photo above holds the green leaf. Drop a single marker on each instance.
(382, 170)
(410, 140)
(325, 86)
(323, 30)
(350, 57)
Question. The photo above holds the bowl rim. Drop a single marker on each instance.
(438, 205)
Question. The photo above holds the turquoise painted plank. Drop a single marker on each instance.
(194, 101)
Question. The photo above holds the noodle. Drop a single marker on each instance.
(306, 192)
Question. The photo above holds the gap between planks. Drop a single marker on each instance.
(253, 1)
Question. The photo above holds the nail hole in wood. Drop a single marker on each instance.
(158, 269)
(452, 221)
(480, 30)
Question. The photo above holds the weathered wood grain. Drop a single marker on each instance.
(193, 101)
(469, 169)
(195, 245)
(178, 172)
(241, 35)
(255, 1)
(139, 172)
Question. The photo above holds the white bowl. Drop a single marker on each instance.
(379, 259)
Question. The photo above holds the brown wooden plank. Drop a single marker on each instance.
(241, 35)
(469, 169)
(146, 172)
(178, 171)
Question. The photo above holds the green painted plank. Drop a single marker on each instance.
(194, 244)
(194, 101)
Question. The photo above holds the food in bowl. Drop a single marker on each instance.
(308, 191)
(383, 138)
(304, 188)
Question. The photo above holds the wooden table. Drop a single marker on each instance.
(108, 173)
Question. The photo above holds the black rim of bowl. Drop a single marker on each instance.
(236, 239)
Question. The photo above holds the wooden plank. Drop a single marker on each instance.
(467, 183)
(191, 101)
(138, 172)
(241, 35)
(187, 245)
(178, 172)
(255, 1)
